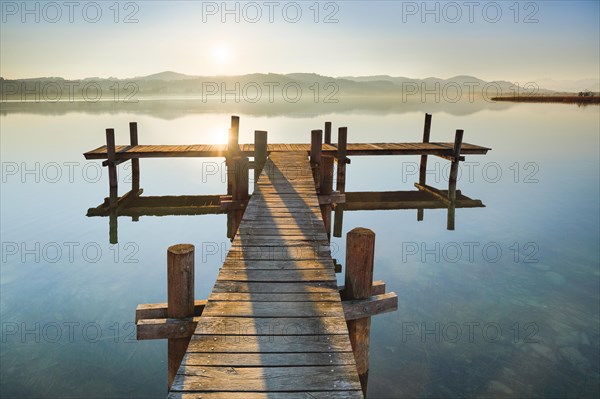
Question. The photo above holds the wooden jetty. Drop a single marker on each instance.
(276, 324)
(133, 204)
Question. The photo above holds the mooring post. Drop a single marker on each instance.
(233, 144)
(454, 167)
(327, 132)
(316, 143)
(360, 253)
(240, 190)
(260, 152)
(458, 137)
(180, 294)
(342, 159)
(112, 167)
(135, 162)
(233, 148)
(326, 188)
(135, 165)
(423, 165)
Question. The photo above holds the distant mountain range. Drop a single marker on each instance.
(267, 88)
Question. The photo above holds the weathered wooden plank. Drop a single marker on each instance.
(269, 343)
(269, 359)
(279, 287)
(270, 379)
(268, 395)
(273, 309)
(277, 253)
(276, 275)
(285, 326)
(261, 297)
(276, 265)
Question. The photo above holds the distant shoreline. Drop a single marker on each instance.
(551, 99)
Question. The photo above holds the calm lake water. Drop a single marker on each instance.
(507, 305)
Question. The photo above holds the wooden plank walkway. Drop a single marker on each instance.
(274, 326)
(220, 150)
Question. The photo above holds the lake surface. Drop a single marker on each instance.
(507, 305)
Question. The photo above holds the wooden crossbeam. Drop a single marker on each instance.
(152, 321)
(377, 304)
(334, 198)
(229, 204)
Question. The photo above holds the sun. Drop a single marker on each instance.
(221, 54)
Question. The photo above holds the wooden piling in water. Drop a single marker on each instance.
(316, 146)
(423, 164)
(260, 152)
(326, 188)
(233, 149)
(180, 294)
(135, 162)
(327, 132)
(458, 137)
(360, 253)
(342, 159)
(338, 220)
(112, 167)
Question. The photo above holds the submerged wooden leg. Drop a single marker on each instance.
(112, 167)
(423, 165)
(453, 178)
(338, 220)
(342, 159)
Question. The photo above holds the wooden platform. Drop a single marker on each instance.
(124, 152)
(274, 326)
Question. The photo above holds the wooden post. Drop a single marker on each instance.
(454, 166)
(360, 252)
(453, 178)
(342, 159)
(423, 166)
(112, 167)
(326, 188)
(240, 190)
(241, 177)
(180, 294)
(233, 148)
(327, 132)
(316, 143)
(260, 152)
(451, 215)
(135, 162)
(338, 220)
(233, 145)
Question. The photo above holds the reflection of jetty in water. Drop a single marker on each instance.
(134, 205)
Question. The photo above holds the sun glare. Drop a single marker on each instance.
(221, 54)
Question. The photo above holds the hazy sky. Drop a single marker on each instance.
(516, 41)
